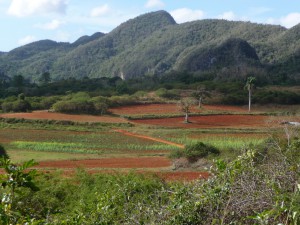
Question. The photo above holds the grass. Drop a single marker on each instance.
(82, 148)
(229, 141)
(21, 156)
(52, 147)
(221, 142)
(16, 123)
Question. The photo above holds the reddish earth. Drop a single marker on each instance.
(230, 135)
(142, 162)
(60, 116)
(170, 109)
(211, 121)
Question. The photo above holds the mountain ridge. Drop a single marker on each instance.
(153, 44)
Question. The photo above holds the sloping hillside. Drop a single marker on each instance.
(154, 44)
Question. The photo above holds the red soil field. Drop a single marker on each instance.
(142, 162)
(60, 116)
(211, 121)
(230, 135)
(169, 109)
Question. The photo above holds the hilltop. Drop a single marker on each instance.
(154, 44)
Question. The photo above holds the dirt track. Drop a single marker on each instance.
(149, 138)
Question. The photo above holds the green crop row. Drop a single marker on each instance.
(221, 142)
(83, 148)
(52, 147)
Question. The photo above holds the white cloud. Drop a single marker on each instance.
(100, 11)
(26, 40)
(287, 21)
(184, 15)
(227, 16)
(290, 20)
(53, 25)
(22, 8)
(154, 4)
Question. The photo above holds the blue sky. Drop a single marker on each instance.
(25, 21)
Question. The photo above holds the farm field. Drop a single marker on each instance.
(38, 115)
(158, 109)
(144, 146)
(211, 121)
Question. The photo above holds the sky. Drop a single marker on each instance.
(26, 21)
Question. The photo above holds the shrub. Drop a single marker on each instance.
(16, 106)
(74, 107)
(195, 151)
(169, 94)
(3, 152)
(21, 106)
(49, 101)
(7, 106)
(199, 150)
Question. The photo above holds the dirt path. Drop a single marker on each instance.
(149, 138)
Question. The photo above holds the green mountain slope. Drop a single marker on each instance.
(154, 44)
(86, 39)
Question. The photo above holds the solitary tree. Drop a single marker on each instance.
(185, 106)
(249, 86)
(200, 94)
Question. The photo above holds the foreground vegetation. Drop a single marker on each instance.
(261, 186)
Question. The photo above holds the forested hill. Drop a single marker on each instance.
(153, 44)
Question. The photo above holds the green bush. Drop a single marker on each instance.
(49, 101)
(3, 152)
(21, 106)
(7, 106)
(199, 150)
(74, 107)
(195, 151)
(122, 100)
(16, 106)
(168, 94)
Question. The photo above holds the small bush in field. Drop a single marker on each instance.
(177, 154)
(199, 150)
(3, 152)
(195, 151)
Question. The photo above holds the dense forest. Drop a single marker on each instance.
(153, 45)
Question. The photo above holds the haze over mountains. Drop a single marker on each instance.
(153, 44)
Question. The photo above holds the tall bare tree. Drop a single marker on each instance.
(185, 106)
(200, 94)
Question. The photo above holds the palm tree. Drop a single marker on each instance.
(249, 86)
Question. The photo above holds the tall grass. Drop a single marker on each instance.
(86, 148)
(222, 142)
(53, 147)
